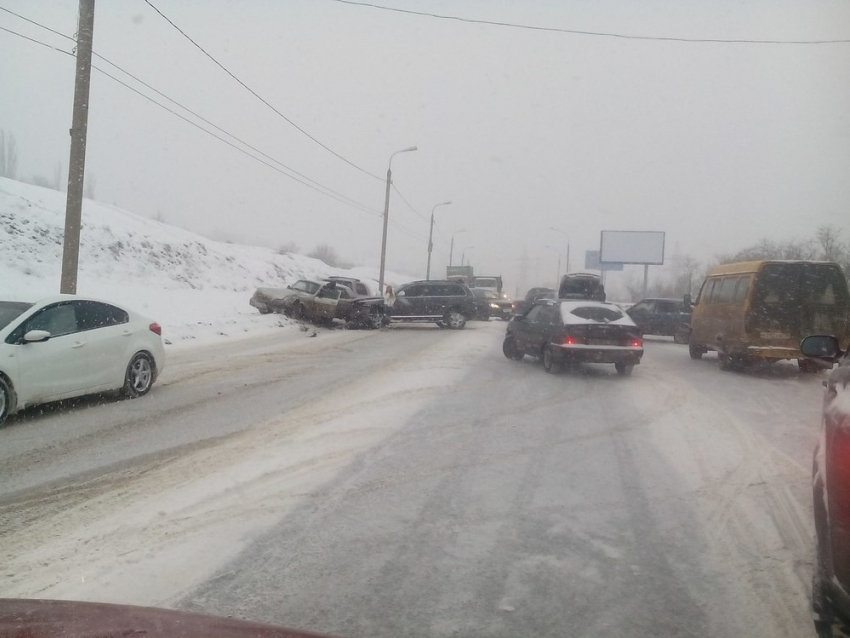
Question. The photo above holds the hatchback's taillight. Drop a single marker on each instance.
(637, 343)
(156, 328)
(569, 340)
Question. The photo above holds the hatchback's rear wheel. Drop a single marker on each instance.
(454, 319)
(139, 376)
(297, 311)
(624, 369)
(550, 363)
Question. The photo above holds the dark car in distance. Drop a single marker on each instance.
(521, 306)
(449, 304)
(488, 303)
(581, 285)
(663, 317)
(831, 488)
(566, 332)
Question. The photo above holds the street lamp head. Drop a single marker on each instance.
(408, 149)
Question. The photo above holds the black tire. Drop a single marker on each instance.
(682, 335)
(511, 349)
(624, 369)
(807, 366)
(695, 351)
(550, 364)
(140, 375)
(297, 311)
(731, 363)
(441, 324)
(454, 319)
(7, 398)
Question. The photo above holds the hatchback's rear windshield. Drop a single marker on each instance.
(10, 310)
(597, 313)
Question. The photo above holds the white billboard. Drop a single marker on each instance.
(631, 247)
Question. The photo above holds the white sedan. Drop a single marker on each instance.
(68, 346)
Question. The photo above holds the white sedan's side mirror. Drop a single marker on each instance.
(35, 336)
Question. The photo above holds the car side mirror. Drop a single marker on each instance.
(288, 287)
(687, 300)
(400, 294)
(824, 347)
(36, 336)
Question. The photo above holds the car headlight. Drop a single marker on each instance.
(494, 305)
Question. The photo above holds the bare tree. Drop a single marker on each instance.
(289, 248)
(686, 270)
(8, 155)
(832, 247)
(325, 253)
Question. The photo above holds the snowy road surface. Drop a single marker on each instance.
(415, 482)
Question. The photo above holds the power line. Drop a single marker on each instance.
(409, 205)
(333, 194)
(187, 109)
(257, 95)
(601, 34)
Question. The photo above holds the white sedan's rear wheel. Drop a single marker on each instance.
(139, 376)
(5, 399)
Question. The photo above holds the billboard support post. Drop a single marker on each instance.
(645, 279)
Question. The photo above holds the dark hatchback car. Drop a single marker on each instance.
(565, 332)
(488, 304)
(449, 304)
(831, 489)
(663, 317)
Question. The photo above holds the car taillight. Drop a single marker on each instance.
(569, 340)
(637, 343)
(156, 328)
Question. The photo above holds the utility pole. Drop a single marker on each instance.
(386, 222)
(387, 215)
(77, 161)
(431, 241)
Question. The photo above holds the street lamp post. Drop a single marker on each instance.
(558, 276)
(558, 230)
(431, 239)
(452, 246)
(387, 216)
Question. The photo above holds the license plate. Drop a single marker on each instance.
(775, 336)
(602, 342)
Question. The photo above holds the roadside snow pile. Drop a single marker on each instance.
(194, 286)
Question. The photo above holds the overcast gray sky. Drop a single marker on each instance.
(716, 144)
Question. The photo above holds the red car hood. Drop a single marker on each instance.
(69, 619)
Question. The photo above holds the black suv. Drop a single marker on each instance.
(665, 317)
(449, 304)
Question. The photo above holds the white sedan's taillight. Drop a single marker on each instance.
(156, 328)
